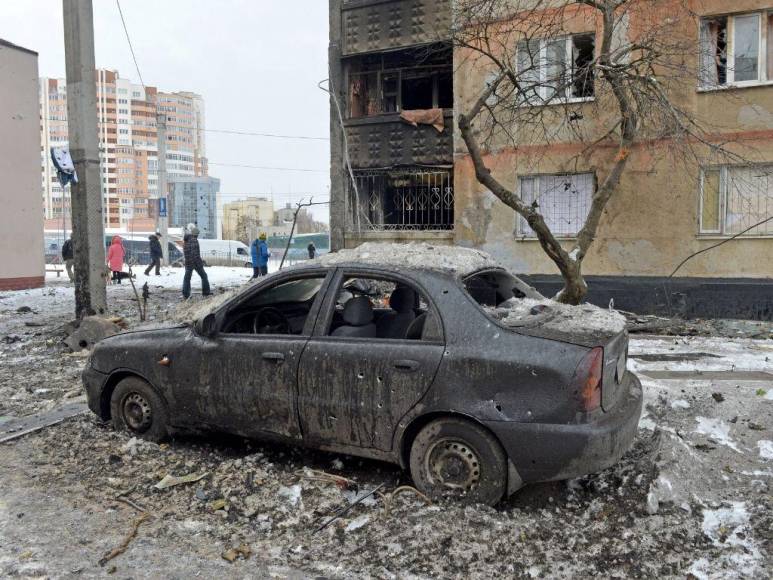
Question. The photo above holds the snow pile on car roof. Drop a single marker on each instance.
(414, 255)
(549, 314)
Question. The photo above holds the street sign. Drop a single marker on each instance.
(161, 207)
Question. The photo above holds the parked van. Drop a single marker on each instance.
(225, 253)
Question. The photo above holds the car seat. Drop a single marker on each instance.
(358, 316)
(395, 324)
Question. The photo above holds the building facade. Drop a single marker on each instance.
(391, 78)
(21, 222)
(194, 200)
(245, 218)
(128, 143)
(662, 212)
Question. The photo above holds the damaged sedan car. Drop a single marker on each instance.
(433, 358)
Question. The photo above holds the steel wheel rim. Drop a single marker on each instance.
(137, 412)
(453, 465)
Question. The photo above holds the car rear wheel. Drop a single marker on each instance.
(135, 407)
(457, 459)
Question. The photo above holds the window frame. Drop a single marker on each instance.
(542, 68)
(528, 234)
(270, 282)
(763, 40)
(327, 311)
(724, 191)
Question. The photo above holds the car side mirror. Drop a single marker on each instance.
(207, 326)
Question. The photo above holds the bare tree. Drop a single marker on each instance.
(616, 91)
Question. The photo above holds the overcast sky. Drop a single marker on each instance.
(256, 63)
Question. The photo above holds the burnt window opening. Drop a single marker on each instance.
(583, 47)
(714, 51)
(404, 80)
(404, 199)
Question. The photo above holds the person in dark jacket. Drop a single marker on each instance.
(312, 249)
(260, 255)
(155, 254)
(68, 257)
(193, 262)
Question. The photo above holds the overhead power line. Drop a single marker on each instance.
(271, 135)
(129, 40)
(303, 169)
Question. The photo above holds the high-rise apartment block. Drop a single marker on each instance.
(128, 143)
(194, 200)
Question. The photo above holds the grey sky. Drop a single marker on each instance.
(256, 63)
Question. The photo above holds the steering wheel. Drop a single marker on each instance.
(270, 320)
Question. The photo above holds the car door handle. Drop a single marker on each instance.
(274, 356)
(406, 365)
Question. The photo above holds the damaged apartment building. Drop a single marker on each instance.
(397, 84)
(392, 81)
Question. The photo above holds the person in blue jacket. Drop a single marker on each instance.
(260, 255)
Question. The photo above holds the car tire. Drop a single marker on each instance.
(457, 459)
(135, 407)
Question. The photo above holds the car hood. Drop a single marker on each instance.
(585, 325)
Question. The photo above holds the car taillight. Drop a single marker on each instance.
(587, 379)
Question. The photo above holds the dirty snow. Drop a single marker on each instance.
(713, 516)
(455, 259)
(766, 449)
(717, 430)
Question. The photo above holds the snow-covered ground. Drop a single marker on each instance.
(692, 497)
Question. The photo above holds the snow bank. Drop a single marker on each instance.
(416, 255)
(549, 314)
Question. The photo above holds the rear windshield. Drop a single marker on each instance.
(491, 288)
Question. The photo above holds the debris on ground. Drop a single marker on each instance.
(91, 330)
(171, 480)
(241, 551)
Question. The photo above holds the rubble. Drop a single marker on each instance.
(91, 330)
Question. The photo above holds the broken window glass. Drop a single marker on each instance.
(713, 66)
(390, 92)
(583, 48)
(445, 90)
(749, 200)
(746, 46)
(382, 308)
(528, 63)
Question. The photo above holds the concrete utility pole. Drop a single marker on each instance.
(162, 221)
(338, 172)
(86, 195)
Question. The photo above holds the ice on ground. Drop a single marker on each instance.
(417, 255)
(660, 491)
(766, 448)
(717, 430)
(729, 528)
(292, 493)
(357, 523)
(680, 404)
(552, 315)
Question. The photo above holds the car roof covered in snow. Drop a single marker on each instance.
(413, 256)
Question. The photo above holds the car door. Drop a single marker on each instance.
(247, 382)
(354, 391)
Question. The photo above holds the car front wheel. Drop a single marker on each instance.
(458, 459)
(135, 407)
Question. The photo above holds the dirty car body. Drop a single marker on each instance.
(352, 355)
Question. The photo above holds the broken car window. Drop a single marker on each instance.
(493, 287)
(280, 309)
(380, 308)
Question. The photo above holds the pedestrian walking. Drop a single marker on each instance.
(312, 249)
(155, 254)
(260, 255)
(115, 256)
(193, 262)
(68, 257)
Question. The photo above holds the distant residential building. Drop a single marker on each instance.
(245, 218)
(21, 223)
(128, 144)
(194, 200)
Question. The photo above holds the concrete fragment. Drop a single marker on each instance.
(91, 330)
